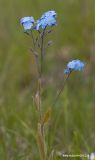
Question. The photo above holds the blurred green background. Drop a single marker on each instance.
(73, 117)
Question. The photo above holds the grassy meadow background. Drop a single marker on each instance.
(72, 125)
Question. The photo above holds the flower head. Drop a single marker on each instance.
(27, 22)
(49, 13)
(47, 19)
(75, 65)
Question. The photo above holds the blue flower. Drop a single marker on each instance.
(66, 71)
(49, 13)
(47, 19)
(75, 65)
(27, 22)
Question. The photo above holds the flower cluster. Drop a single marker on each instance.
(74, 65)
(47, 19)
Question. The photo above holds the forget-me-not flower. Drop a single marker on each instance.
(49, 13)
(47, 19)
(27, 22)
(74, 65)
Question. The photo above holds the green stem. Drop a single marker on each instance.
(61, 89)
(40, 75)
(35, 54)
(33, 39)
(42, 50)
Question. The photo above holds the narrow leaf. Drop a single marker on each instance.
(47, 116)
